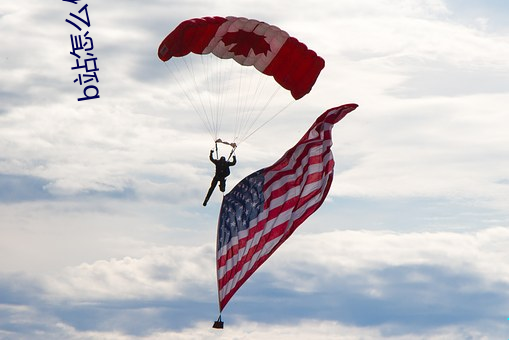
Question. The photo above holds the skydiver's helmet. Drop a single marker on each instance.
(222, 159)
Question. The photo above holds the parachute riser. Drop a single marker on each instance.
(233, 145)
(231, 153)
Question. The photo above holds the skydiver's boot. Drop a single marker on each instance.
(209, 193)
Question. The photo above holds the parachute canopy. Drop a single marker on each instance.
(250, 43)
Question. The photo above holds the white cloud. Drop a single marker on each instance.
(418, 147)
(449, 147)
(162, 273)
(438, 274)
(339, 253)
(317, 329)
(308, 329)
(308, 263)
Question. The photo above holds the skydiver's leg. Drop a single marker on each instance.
(222, 184)
(211, 190)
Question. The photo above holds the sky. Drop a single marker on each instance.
(102, 231)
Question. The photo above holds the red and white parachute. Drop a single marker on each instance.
(225, 95)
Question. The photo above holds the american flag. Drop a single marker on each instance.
(266, 207)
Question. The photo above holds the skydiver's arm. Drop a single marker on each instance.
(234, 161)
(210, 156)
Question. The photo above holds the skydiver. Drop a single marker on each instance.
(222, 171)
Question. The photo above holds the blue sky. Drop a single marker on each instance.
(102, 232)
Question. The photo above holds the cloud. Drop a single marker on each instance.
(409, 78)
(477, 253)
(168, 273)
(374, 283)
(306, 329)
(315, 329)
(371, 284)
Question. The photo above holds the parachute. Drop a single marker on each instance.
(208, 83)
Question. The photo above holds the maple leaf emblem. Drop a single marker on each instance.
(244, 42)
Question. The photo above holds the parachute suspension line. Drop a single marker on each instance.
(217, 92)
(211, 84)
(245, 109)
(196, 108)
(215, 73)
(239, 110)
(207, 81)
(228, 71)
(254, 97)
(218, 75)
(224, 69)
(267, 121)
(234, 147)
(255, 85)
(191, 70)
(261, 112)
